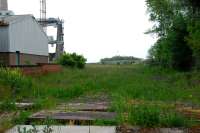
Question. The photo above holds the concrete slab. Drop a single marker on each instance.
(78, 116)
(95, 106)
(67, 129)
(22, 105)
(55, 129)
(102, 129)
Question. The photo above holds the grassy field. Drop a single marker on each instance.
(141, 95)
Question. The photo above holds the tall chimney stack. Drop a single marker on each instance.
(3, 5)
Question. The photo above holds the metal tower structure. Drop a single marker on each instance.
(43, 13)
(57, 23)
(3, 5)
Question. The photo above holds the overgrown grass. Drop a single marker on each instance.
(127, 83)
(157, 90)
(14, 84)
(155, 116)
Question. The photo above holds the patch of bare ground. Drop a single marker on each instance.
(5, 120)
(129, 129)
(190, 112)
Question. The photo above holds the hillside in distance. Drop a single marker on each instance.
(121, 60)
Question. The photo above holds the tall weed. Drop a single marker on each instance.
(15, 80)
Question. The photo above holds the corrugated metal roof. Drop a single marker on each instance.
(14, 18)
(7, 20)
(24, 35)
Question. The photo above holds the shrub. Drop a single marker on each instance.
(22, 118)
(194, 40)
(15, 80)
(7, 105)
(72, 60)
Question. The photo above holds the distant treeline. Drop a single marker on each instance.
(177, 26)
(120, 60)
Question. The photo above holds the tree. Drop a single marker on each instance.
(72, 60)
(177, 27)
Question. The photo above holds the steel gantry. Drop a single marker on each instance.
(57, 23)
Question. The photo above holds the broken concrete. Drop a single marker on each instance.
(23, 105)
(101, 129)
(95, 106)
(80, 110)
(77, 116)
(67, 129)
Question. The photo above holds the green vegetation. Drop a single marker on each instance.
(154, 116)
(141, 95)
(12, 80)
(7, 105)
(120, 60)
(72, 60)
(177, 27)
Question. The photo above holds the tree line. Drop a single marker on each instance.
(177, 26)
(120, 60)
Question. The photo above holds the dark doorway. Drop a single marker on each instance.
(17, 57)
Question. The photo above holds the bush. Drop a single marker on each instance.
(22, 118)
(15, 80)
(194, 41)
(172, 50)
(72, 60)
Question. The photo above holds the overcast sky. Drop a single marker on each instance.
(97, 28)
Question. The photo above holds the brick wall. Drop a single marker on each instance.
(9, 59)
(25, 58)
(39, 69)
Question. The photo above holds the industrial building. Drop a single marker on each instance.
(22, 39)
